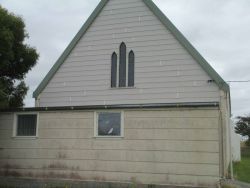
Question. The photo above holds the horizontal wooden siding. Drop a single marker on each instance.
(175, 146)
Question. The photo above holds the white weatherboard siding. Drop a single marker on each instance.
(164, 71)
(177, 146)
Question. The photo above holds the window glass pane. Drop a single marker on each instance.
(113, 70)
(26, 125)
(122, 66)
(109, 124)
(131, 69)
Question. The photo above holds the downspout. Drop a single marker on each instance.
(231, 154)
(222, 146)
(230, 134)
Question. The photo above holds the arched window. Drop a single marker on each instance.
(126, 75)
(122, 65)
(131, 68)
(113, 70)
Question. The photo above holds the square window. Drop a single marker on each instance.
(26, 125)
(109, 124)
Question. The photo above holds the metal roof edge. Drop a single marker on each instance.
(119, 106)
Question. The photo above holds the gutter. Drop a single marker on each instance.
(122, 106)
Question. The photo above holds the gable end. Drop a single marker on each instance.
(168, 24)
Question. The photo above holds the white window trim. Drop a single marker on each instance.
(14, 135)
(96, 124)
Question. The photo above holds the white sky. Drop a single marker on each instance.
(219, 29)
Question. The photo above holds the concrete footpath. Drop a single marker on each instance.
(236, 184)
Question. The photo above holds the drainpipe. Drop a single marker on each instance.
(230, 139)
(231, 155)
(222, 157)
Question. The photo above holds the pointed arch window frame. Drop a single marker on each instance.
(122, 65)
(125, 68)
(131, 69)
(114, 65)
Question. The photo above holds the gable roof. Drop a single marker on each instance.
(168, 24)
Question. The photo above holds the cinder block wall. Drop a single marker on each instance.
(165, 146)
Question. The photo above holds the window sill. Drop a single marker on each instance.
(25, 137)
(116, 88)
(109, 137)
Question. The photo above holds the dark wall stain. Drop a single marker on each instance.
(57, 165)
(61, 155)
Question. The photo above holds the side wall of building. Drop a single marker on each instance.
(236, 148)
(225, 135)
(160, 146)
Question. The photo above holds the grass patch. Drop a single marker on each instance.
(228, 186)
(242, 169)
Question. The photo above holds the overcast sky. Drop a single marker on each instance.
(219, 29)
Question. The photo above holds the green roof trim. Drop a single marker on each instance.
(169, 25)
